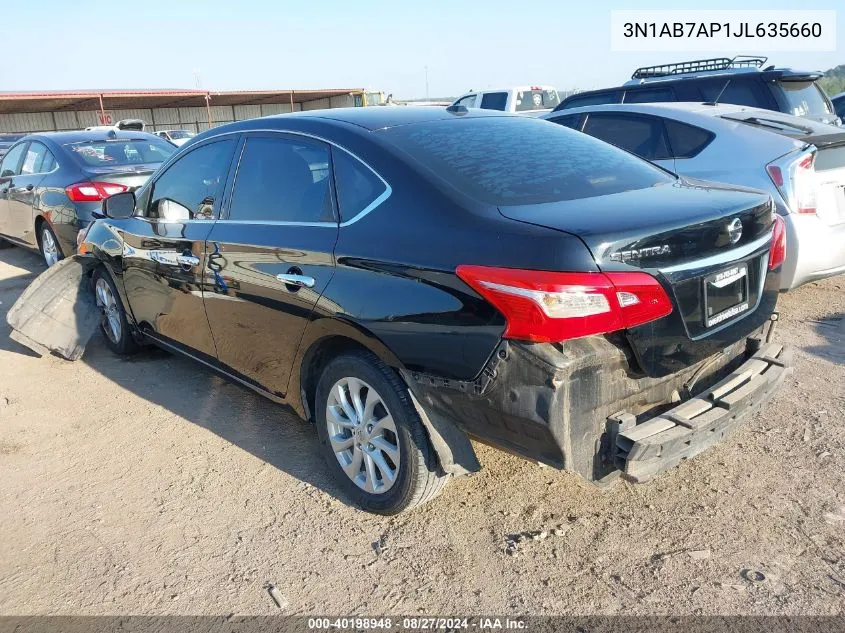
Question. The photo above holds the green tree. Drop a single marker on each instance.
(833, 81)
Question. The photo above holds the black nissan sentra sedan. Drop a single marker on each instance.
(410, 278)
(52, 183)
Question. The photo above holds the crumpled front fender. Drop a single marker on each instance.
(57, 312)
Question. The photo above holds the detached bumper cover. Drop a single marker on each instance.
(643, 451)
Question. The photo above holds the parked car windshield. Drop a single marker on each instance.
(804, 97)
(536, 100)
(516, 160)
(121, 152)
(180, 134)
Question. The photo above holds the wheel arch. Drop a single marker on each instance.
(325, 339)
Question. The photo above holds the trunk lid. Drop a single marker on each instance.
(707, 244)
(132, 176)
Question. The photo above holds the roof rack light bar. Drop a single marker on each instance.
(699, 65)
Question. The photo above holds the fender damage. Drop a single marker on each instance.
(57, 313)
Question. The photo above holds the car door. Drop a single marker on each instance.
(639, 134)
(164, 255)
(37, 160)
(10, 168)
(272, 256)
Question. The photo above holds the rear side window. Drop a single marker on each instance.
(516, 160)
(358, 188)
(686, 140)
(640, 135)
(745, 93)
(649, 95)
(803, 98)
(600, 98)
(494, 101)
(12, 161)
(282, 180)
(34, 160)
(121, 152)
(194, 181)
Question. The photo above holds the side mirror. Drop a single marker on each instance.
(171, 211)
(119, 206)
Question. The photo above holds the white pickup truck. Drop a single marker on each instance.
(532, 100)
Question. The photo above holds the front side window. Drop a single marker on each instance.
(11, 165)
(494, 101)
(467, 102)
(191, 187)
(599, 98)
(282, 180)
(120, 152)
(516, 160)
(570, 120)
(640, 135)
(357, 186)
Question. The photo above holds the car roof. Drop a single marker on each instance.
(82, 136)
(374, 117)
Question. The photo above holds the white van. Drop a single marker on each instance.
(522, 99)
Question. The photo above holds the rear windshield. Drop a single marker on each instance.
(536, 100)
(516, 160)
(119, 152)
(804, 97)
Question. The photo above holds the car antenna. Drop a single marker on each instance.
(719, 96)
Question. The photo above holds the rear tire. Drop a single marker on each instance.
(113, 324)
(366, 420)
(48, 244)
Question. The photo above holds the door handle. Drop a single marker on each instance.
(22, 189)
(302, 281)
(187, 260)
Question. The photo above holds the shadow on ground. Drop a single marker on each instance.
(832, 329)
(189, 390)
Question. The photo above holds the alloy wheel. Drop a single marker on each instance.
(363, 435)
(49, 248)
(111, 314)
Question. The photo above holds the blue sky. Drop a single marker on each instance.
(260, 44)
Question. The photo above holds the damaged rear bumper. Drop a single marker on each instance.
(642, 451)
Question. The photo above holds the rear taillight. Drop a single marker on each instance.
(777, 253)
(93, 191)
(795, 178)
(547, 307)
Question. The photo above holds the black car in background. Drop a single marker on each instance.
(739, 81)
(7, 140)
(409, 278)
(52, 183)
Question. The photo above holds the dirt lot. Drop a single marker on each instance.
(151, 486)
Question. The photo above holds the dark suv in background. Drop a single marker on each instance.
(740, 81)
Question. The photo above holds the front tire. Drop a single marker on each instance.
(372, 437)
(113, 324)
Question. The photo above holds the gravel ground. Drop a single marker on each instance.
(152, 486)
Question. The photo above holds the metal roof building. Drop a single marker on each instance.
(194, 110)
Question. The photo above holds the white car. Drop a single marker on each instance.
(531, 100)
(177, 137)
(798, 161)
